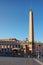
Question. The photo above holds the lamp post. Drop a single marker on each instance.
(38, 51)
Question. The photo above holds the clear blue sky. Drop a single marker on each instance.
(14, 19)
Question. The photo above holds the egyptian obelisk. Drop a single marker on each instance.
(31, 31)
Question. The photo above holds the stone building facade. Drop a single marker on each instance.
(10, 47)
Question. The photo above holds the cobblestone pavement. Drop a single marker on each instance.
(17, 61)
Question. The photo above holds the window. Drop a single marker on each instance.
(19, 46)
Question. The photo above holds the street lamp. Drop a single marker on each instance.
(38, 51)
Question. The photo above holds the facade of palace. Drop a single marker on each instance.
(10, 46)
(13, 46)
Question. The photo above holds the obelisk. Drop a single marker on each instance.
(31, 32)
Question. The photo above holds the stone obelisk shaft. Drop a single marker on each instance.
(31, 31)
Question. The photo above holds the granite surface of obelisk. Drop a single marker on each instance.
(31, 32)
